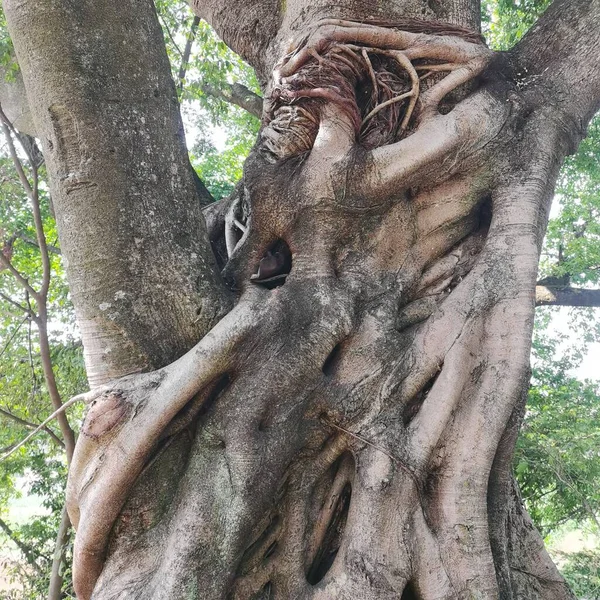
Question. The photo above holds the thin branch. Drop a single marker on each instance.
(166, 27)
(237, 94)
(7, 128)
(27, 311)
(29, 240)
(11, 449)
(63, 422)
(21, 279)
(62, 538)
(566, 296)
(29, 552)
(12, 337)
(30, 425)
(32, 190)
(34, 380)
(185, 59)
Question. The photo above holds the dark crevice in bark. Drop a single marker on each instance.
(196, 408)
(409, 593)
(484, 212)
(331, 361)
(410, 410)
(274, 266)
(266, 592)
(330, 545)
(261, 548)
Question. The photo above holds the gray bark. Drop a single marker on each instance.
(566, 296)
(349, 434)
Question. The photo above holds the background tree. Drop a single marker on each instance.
(371, 442)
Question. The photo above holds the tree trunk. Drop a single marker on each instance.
(346, 430)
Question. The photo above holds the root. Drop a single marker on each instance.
(371, 73)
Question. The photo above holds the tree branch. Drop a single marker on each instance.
(237, 94)
(6, 264)
(559, 57)
(566, 296)
(26, 310)
(30, 425)
(62, 538)
(28, 551)
(32, 190)
(185, 58)
(32, 242)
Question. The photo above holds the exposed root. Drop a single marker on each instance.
(370, 72)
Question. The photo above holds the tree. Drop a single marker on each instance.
(344, 427)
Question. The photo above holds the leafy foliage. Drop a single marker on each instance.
(504, 22)
(558, 453)
(582, 570)
(572, 249)
(211, 65)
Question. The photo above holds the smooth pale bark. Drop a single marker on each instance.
(142, 276)
(349, 434)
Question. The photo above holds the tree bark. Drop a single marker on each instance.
(566, 296)
(347, 429)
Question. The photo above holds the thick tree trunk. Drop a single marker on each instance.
(346, 431)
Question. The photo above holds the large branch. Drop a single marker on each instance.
(566, 296)
(246, 27)
(558, 60)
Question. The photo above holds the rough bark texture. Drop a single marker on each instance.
(346, 431)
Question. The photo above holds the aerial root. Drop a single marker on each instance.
(374, 73)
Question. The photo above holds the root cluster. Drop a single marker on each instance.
(377, 88)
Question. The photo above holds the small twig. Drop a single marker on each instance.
(7, 129)
(12, 337)
(164, 24)
(35, 387)
(27, 311)
(28, 240)
(30, 425)
(56, 413)
(401, 463)
(21, 279)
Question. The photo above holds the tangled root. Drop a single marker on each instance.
(377, 88)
